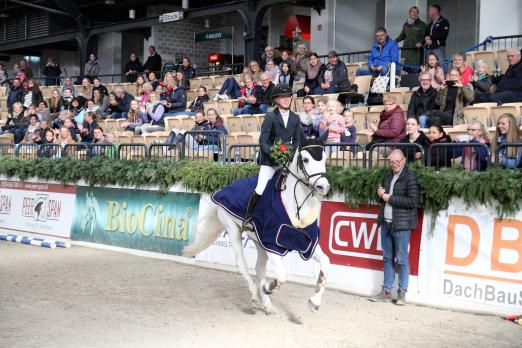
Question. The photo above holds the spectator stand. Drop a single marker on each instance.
(204, 145)
(133, 151)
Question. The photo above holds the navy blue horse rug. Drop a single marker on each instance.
(272, 225)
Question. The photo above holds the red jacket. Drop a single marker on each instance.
(392, 125)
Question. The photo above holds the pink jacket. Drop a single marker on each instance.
(335, 123)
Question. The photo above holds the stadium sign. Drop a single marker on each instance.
(171, 17)
(216, 34)
(136, 219)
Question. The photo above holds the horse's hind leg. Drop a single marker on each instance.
(262, 259)
(324, 262)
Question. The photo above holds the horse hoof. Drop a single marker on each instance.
(266, 291)
(270, 310)
(256, 304)
(312, 306)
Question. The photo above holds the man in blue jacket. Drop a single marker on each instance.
(123, 100)
(384, 51)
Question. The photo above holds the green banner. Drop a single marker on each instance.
(216, 34)
(135, 219)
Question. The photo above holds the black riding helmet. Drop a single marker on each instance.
(281, 90)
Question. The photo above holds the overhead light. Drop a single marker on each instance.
(207, 23)
(185, 4)
(132, 14)
(110, 2)
(4, 15)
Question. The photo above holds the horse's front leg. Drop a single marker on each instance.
(262, 259)
(279, 269)
(324, 263)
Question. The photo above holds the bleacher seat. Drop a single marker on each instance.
(399, 96)
(219, 80)
(250, 123)
(194, 83)
(172, 122)
(234, 124)
(502, 61)
(187, 123)
(207, 82)
(373, 117)
(363, 84)
(376, 108)
(496, 111)
(476, 114)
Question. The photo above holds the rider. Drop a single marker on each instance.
(279, 124)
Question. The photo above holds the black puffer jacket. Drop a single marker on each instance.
(404, 200)
(339, 76)
(422, 102)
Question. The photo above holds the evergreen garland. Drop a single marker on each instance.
(359, 185)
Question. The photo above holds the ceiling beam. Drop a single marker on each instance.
(39, 7)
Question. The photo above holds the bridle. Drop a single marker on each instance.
(301, 167)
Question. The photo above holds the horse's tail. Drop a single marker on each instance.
(208, 230)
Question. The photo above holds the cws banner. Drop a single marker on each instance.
(350, 237)
(473, 259)
(37, 207)
(136, 219)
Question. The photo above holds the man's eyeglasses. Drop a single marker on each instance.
(396, 162)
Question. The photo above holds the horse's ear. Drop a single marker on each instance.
(303, 140)
(322, 138)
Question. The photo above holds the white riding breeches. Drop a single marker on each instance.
(265, 174)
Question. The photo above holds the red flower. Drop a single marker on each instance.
(283, 148)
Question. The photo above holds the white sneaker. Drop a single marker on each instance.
(216, 97)
(224, 97)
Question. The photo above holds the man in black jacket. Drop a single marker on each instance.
(436, 33)
(153, 63)
(264, 94)
(509, 87)
(422, 102)
(15, 94)
(280, 124)
(399, 195)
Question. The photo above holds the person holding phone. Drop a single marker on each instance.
(452, 98)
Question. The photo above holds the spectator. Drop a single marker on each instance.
(102, 102)
(16, 123)
(398, 216)
(135, 118)
(286, 75)
(507, 132)
(84, 92)
(77, 110)
(459, 62)
(30, 131)
(321, 111)
(481, 81)
(215, 123)
(350, 134)
(307, 117)
(99, 138)
(268, 56)
(111, 150)
(98, 86)
(66, 99)
(113, 104)
(95, 109)
(414, 136)
(87, 127)
(92, 68)
(55, 103)
(153, 62)
(334, 77)
(32, 94)
(301, 61)
(169, 82)
(52, 73)
(132, 68)
(42, 111)
(164, 97)
(287, 58)
(60, 120)
(16, 94)
(413, 36)
(70, 124)
(509, 88)
(422, 101)
(18, 73)
(39, 136)
(333, 122)
(384, 52)
(156, 114)
(186, 69)
(24, 66)
(192, 141)
(123, 103)
(197, 104)
(231, 89)
(436, 73)
(46, 149)
(248, 102)
(392, 127)
(153, 80)
(3, 76)
(263, 95)
(452, 98)
(146, 91)
(68, 83)
(436, 32)
(182, 81)
(272, 71)
(178, 101)
(474, 158)
(140, 81)
(314, 69)
(440, 157)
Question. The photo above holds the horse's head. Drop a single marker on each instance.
(310, 160)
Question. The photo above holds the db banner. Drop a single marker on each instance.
(40, 208)
(351, 237)
(474, 257)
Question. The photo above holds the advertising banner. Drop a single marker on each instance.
(350, 237)
(473, 259)
(136, 219)
(39, 208)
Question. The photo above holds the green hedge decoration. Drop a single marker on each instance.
(358, 185)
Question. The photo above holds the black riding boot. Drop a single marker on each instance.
(252, 201)
(174, 139)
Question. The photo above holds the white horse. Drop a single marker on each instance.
(305, 182)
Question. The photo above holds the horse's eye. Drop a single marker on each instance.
(305, 160)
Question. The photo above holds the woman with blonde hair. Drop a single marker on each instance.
(85, 90)
(474, 158)
(231, 89)
(64, 137)
(169, 82)
(507, 132)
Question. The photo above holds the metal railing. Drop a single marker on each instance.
(471, 155)
(503, 42)
(343, 154)
(243, 153)
(165, 151)
(378, 152)
(208, 145)
(133, 151)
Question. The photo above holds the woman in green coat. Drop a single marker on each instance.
(413, 36)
